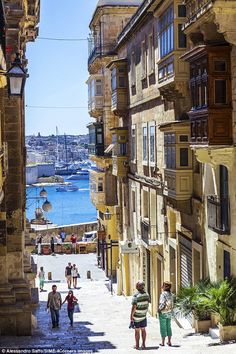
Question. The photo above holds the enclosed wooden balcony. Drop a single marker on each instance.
(102, 188)
(95, 106)
(178, 173)
(95, 95)
(119, 101)
(120, 166)
(172, 72)
(210, 86)
(119, 98)
(211, 127)
(178, 184)
(96, 139)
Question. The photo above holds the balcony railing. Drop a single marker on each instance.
(196, 8)
(101, 50)
(145, 231)
(218, 214)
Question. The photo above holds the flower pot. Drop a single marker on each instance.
(46, 250)
(201, 326)
(227, 332)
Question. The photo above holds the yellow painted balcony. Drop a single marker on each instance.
(178, 184)
(102, 188)
(119, 101)
(120, 166)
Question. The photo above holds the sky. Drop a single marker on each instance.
(58, 69)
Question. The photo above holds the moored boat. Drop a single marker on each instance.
(83, 174)
(67, 188)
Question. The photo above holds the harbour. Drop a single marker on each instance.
(67, 208)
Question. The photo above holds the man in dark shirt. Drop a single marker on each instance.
(68, 275)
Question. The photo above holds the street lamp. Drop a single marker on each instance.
(43, 193)
(47, 206)
(107, 214)
(16, 77)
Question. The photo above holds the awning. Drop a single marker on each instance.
(109, 148)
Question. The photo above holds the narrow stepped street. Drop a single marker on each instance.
(101, 321)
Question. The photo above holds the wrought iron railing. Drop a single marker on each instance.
(101, 50)
(218, 214)
(195, 8)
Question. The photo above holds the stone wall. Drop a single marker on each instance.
(78, 229)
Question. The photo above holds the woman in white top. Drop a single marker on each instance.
(165, 312)
(74, 274)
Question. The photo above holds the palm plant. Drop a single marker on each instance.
(188, 300)
(220, 299)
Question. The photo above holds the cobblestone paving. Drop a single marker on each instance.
(101, 320)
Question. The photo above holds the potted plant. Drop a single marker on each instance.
(220, 299)
(46, 249)
(187, 302)
(67, 248)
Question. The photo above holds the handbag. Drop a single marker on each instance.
(78, 276)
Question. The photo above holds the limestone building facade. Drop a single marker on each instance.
(19, 20)
(171, 93)
(108, 20)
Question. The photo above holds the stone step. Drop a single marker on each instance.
(183, 323)
(214, 332)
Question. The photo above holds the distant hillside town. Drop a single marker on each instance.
(52, 155)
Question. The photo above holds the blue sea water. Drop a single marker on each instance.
(67, 207)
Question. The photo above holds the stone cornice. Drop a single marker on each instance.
(216, 156)
(225, 19)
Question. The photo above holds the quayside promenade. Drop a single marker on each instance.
(102, 320)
